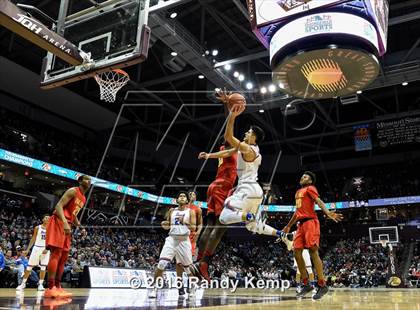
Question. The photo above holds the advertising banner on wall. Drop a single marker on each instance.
(26, 161)
(400, 131)
(101, 277)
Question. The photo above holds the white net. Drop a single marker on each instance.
(110, 83)
(383, 243)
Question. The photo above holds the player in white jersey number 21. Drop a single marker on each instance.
(181, 221)
(39, 255)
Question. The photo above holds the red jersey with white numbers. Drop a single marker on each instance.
(305, 202)
(226, 171)
(72, 208)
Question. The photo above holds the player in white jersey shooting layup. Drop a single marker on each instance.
(244, 204)
(181, 221)
(39, 255)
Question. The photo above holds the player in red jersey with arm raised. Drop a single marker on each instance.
(217, 193)
(58, 239)
(308, 231)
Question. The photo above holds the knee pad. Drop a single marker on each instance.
(162, 264)
(43, 268)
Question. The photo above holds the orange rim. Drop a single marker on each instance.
(120, 71)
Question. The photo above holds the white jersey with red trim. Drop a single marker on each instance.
(248, 170)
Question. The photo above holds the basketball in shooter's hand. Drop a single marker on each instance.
(236, 99)
(237, 109)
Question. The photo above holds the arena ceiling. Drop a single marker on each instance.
(223, 25)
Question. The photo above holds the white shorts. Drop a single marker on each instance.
(177, 247)
(307, 259)
(247, 197)
(37, 258)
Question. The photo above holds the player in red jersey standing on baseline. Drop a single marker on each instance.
(58, 238)
(308, 232)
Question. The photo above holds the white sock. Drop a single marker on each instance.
(40, 282)
(229, 216)
(24, 281)
(267, 230)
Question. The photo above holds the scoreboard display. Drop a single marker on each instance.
(322, 48)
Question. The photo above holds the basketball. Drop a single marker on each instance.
(235, 99)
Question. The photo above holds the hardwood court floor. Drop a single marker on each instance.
(249, 299)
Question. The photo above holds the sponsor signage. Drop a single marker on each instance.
(34, 31)
(400, 131)
(73, 175)
(101, 277)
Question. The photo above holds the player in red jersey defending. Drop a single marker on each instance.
(217, 193)
(308, 232)
(58, 238)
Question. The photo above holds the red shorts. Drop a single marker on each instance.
(56, 236)
(216, 196)
(307, 235)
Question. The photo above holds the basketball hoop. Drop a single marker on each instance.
(110, 83)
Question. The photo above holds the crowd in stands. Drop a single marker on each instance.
(16, 222)
(262, 259)
(356, 263)
(348, 262)
(34, 139)
(414, 270)
(125, 248)
(358, 184)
